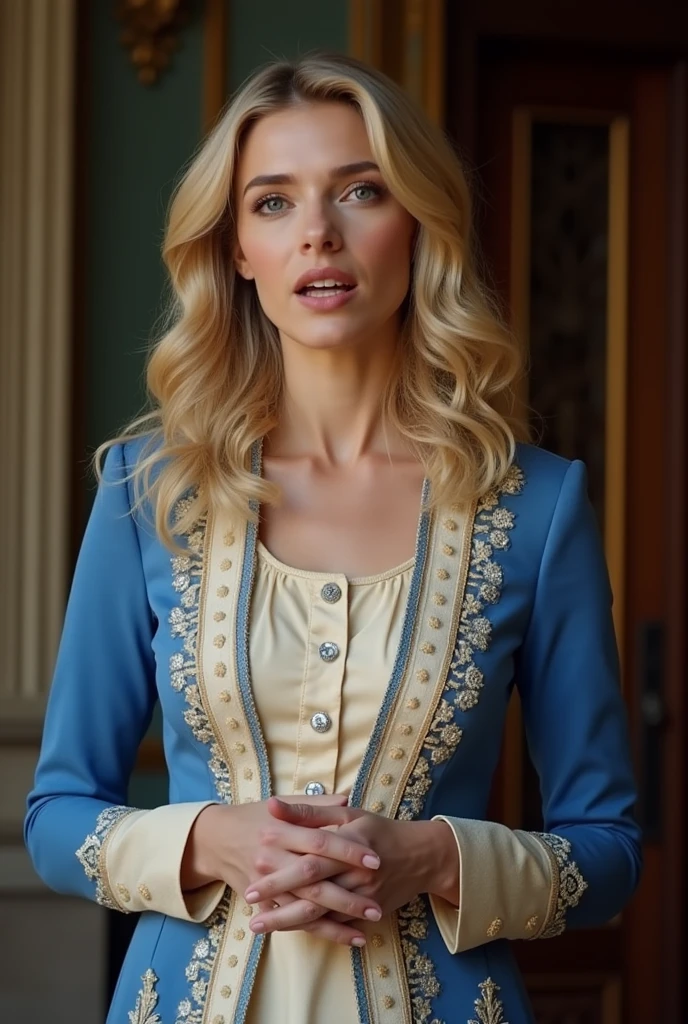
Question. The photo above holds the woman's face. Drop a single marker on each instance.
(324, 207)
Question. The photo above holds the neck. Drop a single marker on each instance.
(332, 408)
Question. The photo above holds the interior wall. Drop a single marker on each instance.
(137, 138)
(138, 141)
(133, 143)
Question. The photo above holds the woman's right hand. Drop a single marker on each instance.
(238, 843)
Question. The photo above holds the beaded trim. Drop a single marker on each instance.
(489, 1007)
(91, 854)
(146, 1001)
(420, 970)
(568, 884)
(200, 969)
(187, 573)
(484, 587)
(465, 681)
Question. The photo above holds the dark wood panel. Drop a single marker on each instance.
(494, 75)
(576, 998)
(647, 553)
(591, 950)
(676, 762)
(628, 24)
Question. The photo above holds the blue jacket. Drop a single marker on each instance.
(511, 593)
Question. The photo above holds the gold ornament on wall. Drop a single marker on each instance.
(151, 33)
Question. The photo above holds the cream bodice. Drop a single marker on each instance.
(322, 649)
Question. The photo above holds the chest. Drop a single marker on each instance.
(358, 522)
(321, 654)
(463, 616)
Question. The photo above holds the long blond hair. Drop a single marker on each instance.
(215, 376)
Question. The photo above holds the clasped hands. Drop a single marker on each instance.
(319, 865)
(357, 865)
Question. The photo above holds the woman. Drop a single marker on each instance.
(327, 557)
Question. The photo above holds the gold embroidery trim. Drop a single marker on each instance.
(420, 970)
(146, 1001)
(200, 969)
(91, 854)
(465, 681)
(488, 1007)
(187, 578)
(489, 533)
(568, 884)
(242, 751)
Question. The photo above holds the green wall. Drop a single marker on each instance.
(138, 140)
(263, 30)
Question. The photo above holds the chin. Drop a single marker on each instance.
(326, 336)
(325, 342)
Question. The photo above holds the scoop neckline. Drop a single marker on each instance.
(311, 574)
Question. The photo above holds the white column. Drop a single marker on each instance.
(37, 41)
(36, 181)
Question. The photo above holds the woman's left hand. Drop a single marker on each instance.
(415, 857)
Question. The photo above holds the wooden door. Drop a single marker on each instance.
(577, 162)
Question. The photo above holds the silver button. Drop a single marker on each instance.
(314, 789)
(321, 722)
(331, 593)
(328, 651)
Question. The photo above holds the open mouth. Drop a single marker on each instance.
(325, 289)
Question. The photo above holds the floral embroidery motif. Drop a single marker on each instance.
(465, 680)
(198, 972)
(90, 854)
(420, 970)
(489, 1007)
(187, 572)
(568, 881)
(146, 1001)
(462, 691)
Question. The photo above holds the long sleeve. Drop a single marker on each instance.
(584, 867)
(82, 837)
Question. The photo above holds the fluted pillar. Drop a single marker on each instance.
(37, 39)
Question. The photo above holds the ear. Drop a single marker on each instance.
(241, 264)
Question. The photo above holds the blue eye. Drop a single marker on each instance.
(261, 203)
(366, 188)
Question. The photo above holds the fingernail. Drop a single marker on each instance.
(257, 926)
(251, 896)
(372, 914)
(371, 862)
(358, 941)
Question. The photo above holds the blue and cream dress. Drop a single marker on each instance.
(392, 689)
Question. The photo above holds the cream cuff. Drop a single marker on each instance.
(141, 864)
(505, 890)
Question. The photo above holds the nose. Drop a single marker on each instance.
(320, 232)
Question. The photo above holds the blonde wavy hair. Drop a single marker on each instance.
(215, 377)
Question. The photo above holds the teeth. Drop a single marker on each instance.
(327, 283)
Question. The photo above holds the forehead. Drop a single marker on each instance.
(308, 136)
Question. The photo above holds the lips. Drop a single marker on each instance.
(340, 277)
(324, 300)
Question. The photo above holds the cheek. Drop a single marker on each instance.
(388, 245)
(263, 256)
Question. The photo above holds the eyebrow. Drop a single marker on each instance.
(289, 179)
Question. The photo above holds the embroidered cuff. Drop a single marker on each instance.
(142, 864)
(505, 889)
(568, 885)
(91, 854)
